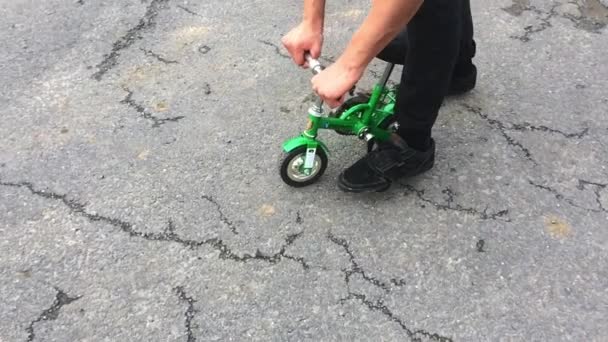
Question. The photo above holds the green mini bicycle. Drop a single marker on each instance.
(367, 116)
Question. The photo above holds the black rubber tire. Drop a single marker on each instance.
(348, 104)
(288, 157)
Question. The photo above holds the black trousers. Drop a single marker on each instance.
(437, 44)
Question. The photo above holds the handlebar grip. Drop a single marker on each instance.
(314, 64)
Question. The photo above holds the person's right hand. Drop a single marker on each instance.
(301, 40)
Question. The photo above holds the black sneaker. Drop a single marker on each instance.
(393, 159)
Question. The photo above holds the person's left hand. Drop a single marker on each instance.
(333, 83)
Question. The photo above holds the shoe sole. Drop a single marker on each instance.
(346, 188)
(383, 187)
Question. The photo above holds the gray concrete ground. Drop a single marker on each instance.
(140, 198)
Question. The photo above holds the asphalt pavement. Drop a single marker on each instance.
(140, 198)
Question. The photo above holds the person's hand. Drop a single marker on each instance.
(333, 83)
(303, 39)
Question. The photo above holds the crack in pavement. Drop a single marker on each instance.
(503, 130)
(378, 305)
(354, 266)
(133, 34)
(520, 6)
(50, 314)
(190, 311)
(288, 242)
(522, 127)
(158, 57)
(277, 50)
(157, 122)
(187, 10)
(555, 193)
(223, 217)
(594, 16)
(525, 126)
(545, 23)
(168, 234)
(588, 15)
(451, 205)
(583, 184)
(398, 282)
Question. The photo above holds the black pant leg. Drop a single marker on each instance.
(434, 40)
(396, 51)
(467, 43)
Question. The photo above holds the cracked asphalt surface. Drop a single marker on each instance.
(140, 198)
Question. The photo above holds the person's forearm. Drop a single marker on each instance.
(314, 14)
(386, 19)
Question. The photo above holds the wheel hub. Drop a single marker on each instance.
(297, 172)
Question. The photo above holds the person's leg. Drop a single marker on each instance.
(464, 76)
(433, 44)
(467, 43)
(396, 50)
(434, 38)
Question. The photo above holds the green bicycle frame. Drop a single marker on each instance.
(362, 120)
(352, 120)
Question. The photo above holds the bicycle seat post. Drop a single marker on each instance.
(387, 74)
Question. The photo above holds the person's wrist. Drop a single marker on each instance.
(353, 66)
(313, 25)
